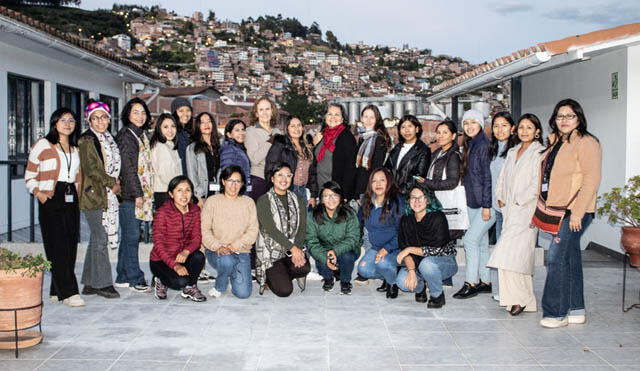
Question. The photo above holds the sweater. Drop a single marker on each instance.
(258, 143)
(166, 165)
(231, 222)
(43, 169)
(477, 177)
(383, 234)
(339, 237)
(431, 234)
(267, 224)
(174, 232)
(232, 154)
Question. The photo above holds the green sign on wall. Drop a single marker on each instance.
(614, 85)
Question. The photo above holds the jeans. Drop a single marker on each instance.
(386, 269)
(234, 269)
(476, 246)
(433, 270)
(128, 267)
(495, 286)
(563, 288)
(346, 261)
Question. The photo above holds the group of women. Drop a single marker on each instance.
(264, 203)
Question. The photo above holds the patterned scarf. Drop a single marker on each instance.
(268, 250)
(366, 149)
(145, 174)
(329, 139)
(112, 164)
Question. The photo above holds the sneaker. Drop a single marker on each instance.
(384, 287)
(88, 290)
(436, 302)
(553, 323)
(483, 287)
(345, 288)
(496, 297)
(327, 284)
(108, 292)
(53, 298)
(74, 301)
(160, 291)
(361, 281)
(193, 293)
(467, 291)
(205, 277)
(313, 276)
(577, 319)
(140, 287)
(215, 293)
(302, 283)
(121, 285)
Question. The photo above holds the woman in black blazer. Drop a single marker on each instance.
(373, 145)
(411, 156)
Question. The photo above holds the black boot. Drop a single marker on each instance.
(392, 291)
(383, 287)
(421, 297)
(436, 302)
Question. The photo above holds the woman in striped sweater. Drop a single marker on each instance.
(53, 176)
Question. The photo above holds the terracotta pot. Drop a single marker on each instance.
(18, 291)
(631, 242)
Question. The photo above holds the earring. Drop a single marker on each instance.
(537, 136)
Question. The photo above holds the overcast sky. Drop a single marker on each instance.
(476, 30)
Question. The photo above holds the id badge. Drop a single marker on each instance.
(214, 187)
(249, 187)
(545, 187)
(68, 199)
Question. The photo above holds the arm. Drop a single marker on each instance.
(33, 167)
(302, 223)
(250, 235)
(195, 232)
(129, 170)
(485, 176)
(209, 240)
(379, 153)
(351, 237)
(424, 161)
(590, 161)
(268, 225)
(500, 183)
(453, 175)
(89, 161)
(313, 242)
(312, 181)
(160, 227)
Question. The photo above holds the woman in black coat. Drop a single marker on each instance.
(444, 171)
(373, 145)
(409, 158)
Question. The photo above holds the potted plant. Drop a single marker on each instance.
(21, 293)
(622, 205)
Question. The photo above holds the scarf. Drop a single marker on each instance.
(329, 139)
(112, 164)
(365, 153)
(145, 174)
(268, 250)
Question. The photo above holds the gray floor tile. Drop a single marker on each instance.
(565, 356)
(357, 357)
(105, 349)
(65, 365)
(619, 356)
(481, 355)
(41, 351)
(299, 358)
(430, 356)
(19, 364)
(543, 338)
(125, 365)
(487, 339)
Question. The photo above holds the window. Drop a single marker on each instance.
(75, 100)
(112, 102)
(26, 117)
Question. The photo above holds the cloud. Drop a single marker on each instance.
(608, 15)
(511, 8)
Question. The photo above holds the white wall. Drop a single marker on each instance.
(589, 82)
(633, 112)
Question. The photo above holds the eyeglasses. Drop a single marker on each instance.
(417, 199)
(332, 196)
(100, 118)
(565, 117)
(234, 181)
(288, 176)
(69, 121)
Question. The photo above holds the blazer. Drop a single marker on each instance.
(197, 171)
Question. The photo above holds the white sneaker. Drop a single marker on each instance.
(578, 319)
(215, 293)
(53, 298)
(121, 285)
(553, 323)
(74, 301)
(313, 276)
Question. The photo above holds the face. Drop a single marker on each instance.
(168, 129)
(471, 127)
(333, 117)
(566, 120)
(282, 180)
(295, 129)
(417, 201)
(237, 133)
(330, 200)
(264, 111)
(379, 184)
(527, 131)
(138, 115)
(408, 131)
(66, 124)
(181, 194)
(368, 119)
(232, 185)
(206, 126)
(184, 114)
(502, 129)
(99, 121)
(444, 137)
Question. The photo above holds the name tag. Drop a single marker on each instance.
(214, 187)
(249, 187)
(545, 187)
(68, 199)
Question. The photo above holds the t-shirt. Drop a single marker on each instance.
(403, 151)
(69, 166)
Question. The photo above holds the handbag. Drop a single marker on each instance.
(454, 205)
(549, 218)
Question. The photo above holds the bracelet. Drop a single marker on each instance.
(411, 269)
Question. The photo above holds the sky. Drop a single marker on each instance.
(476, 30)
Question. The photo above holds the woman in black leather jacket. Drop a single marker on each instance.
(447, 156)
(411, 156)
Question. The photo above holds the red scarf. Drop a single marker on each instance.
(329, 139)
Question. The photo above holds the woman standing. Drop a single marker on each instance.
(291, 148)
(425, 243)
(165, 159)
(283, 223)
(233, 151)
(176, 260)
(477, 185)
(229, 228)
(136, 181)
(516, 194)
(203, 157)
(443, 173)
(53, 176)
(336, 151)
(571, 174)
(264, 118)
(333, 238)
(100, 163)
(372, 149)
(380, 213)
(411, 156)
(182, 112)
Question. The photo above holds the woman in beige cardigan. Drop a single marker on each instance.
(516, 192)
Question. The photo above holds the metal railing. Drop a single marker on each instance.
(11, 164)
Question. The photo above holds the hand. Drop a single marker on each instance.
(380, 255)
(42, 197)
(575, 224)
(200, 202)
(297, 257)
(403, 254)
(331, 260)
(486, 214)
(411, 281)
(139, 202)
(317, 138)
(224, 250)
(182, 256)
(116, 187)
(501, 204)
(312, 202)
(420, 179)
(181, 270)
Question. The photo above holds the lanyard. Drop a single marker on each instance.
(68, 160)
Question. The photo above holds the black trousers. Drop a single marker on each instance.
(169, 277)
(60, 227)
(281, 273)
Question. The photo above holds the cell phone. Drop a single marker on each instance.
(416, 177)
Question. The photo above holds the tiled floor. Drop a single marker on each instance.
(318, 331)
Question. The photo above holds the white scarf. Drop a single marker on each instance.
(112, 164)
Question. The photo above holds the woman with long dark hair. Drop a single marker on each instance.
(571, 174)
(203, 157)
(53, 175)
(182, 112)
(233, 151)
(411, 156)
(373, 145)
(164, 157)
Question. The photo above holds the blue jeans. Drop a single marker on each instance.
(128, 267)
(235, 268)
(386, 269)
(563, 289)
(476, 246)
(495, 288)
(346, 261)
(433, 270)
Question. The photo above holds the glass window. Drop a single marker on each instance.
(74, 99)
(112, 102)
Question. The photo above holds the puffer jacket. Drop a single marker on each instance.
(477, 177)
(93, 195)
(283, 151)
(174, 232)
(415, 162)
(231, 153)
(450, 161)
(339, 237)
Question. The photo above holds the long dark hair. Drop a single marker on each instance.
(412, 119)
(535, 121)
(390, 196)
(379, 125)
(157, 131)
(343, 112)
(306, 151)
(511, 141)
(53, 136)
(229, 128)
(126, 111)
(582, 121)
(200, 145)
(343, 210)
(466, 150)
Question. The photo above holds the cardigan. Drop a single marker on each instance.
(339, 237)
(174, 232)
(198, 172)
(227, 221)
(43, 168)
(93, 195)
(166, 165)
(477, 177)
